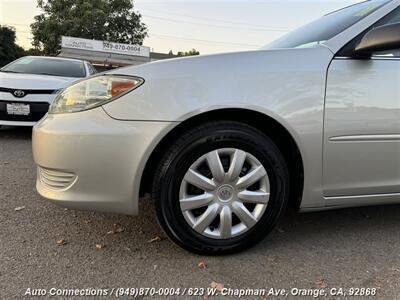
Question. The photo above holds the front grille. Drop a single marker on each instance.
(56, 180)
(37, 111)
(27, 92)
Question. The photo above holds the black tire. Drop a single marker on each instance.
(185, 151)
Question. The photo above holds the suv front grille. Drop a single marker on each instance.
(27, 92)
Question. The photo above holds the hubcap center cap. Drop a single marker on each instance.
(225, 193)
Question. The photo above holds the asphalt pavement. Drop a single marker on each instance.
(43, 246)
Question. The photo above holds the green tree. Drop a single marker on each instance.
(9, 51)
(113, 20)
(33, 52)
(189, 53)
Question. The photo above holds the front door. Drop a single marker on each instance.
(362, 127)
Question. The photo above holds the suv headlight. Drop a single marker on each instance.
(93, 92)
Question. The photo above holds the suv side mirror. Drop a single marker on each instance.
(382, 38)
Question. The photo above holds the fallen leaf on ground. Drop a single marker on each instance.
(396, 269)
(19, 208)
(378, 283)
(100, 246)
(202, 265)
(270, 259)
(322, 284)
(62, 242)
(117, 230)
(155, 239)
(218, 286)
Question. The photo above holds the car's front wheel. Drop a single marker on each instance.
(220, 188)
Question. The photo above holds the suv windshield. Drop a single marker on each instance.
(327, 27)
(46, 66)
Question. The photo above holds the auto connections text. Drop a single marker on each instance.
(202, 292)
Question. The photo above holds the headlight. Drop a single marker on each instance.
(93, 92)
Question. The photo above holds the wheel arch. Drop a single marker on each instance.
(268, 125)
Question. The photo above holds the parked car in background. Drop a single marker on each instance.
(226, 142)
(29, 85)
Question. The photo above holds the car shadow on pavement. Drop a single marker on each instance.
(310, 233)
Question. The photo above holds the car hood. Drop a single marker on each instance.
(34, 82)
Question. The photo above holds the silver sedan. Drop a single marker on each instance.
(226, 143)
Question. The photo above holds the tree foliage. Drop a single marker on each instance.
(189, 53)
(113, 20)
(9, 51)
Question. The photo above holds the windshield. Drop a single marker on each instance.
(327, 27)
(46, 66)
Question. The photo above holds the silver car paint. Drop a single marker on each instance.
(362, 140)
(282, 84)
(288, 85)
(106, 156)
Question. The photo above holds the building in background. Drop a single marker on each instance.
(106, 55)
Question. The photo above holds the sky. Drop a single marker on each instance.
(210, 26)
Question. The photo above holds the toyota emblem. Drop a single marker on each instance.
(19, 93)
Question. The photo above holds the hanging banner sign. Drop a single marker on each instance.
(104, 46)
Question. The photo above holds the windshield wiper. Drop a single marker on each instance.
(48, 74)
(7, 71)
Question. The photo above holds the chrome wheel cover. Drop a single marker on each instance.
(224, 193)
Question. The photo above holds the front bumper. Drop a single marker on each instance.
(88, 160)
(17, 123)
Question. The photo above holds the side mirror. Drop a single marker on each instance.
(382, 38)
